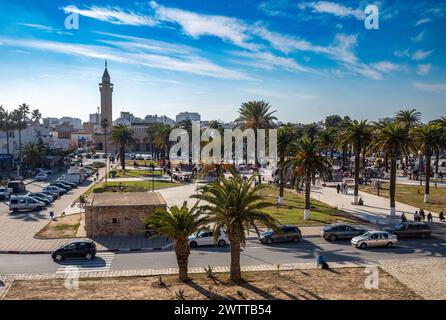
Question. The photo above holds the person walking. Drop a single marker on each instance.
(422, 215)
(338, 188)
(429, 217)
(416, 216)
(403, 217)
(441, 216)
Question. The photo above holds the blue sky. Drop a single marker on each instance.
(308, 59)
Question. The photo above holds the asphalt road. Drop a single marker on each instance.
(253, 254)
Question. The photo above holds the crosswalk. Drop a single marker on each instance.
(102, 262)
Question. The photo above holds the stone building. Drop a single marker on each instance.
(120, 214)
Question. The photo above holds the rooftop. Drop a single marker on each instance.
(121, 199)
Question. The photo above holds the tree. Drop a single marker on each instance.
(408, 118)
(122, 136)
(36, 116)
(285, 137)
(256, 115)
(158, 135)
(428, 139)
(33, 154)
(6, 125)
(392, 140)
(357, 134)
(306, 163)
(21, 120)
(178, 224)
(442, 123)
(235, 205)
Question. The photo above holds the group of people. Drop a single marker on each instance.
(342, 188)
(421, 216)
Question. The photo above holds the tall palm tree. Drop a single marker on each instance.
(327, 140)
(442, 123)
(21, 119)
(6, 125)
(306, 163)
(122, 136)
(428, 139)
(36, 116)
(178, 224)
(158, 135)
(285, 137)
(377, 126)
(392, 140)
(357, 134)
(33, 154)
(409, 118)
(235, 205)
(256, 115)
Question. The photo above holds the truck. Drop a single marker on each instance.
(5, 192)
(74, 174)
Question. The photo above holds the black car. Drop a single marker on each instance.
(410, 230)
(288, 233)
(76, 249)
(341, 231)
(61, 186)
(54, 196)
(45, 200)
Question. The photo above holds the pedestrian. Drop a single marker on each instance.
(416, 216)
(441, 216)
(429, 217)
(422, 215)
(338, 188)
(403, 217)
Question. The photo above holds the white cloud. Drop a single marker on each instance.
(186, 63)
(386, 66)
(430, 87)
(333, 8)
(113, 15)
(45, 28)
(421, 55)
(422, 21)
(419, 37)
(424, 69)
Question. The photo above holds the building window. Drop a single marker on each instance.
(114, 220)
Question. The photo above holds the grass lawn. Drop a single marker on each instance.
(135, 173)
(62, 227)
(413, 195)
(141, 163)
(131, 186)
(313, 284)
(292, 212)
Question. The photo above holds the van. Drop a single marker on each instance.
(25, 203)
(17, 186)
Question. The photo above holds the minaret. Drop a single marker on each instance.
(106, 89)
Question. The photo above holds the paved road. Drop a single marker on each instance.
(253, 254)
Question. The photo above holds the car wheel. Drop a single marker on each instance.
(221, 243)
(89, 256)
(389, 245)
(269, 241)
(332, 237)
(59, 257)
(363, 245)
(193, 244)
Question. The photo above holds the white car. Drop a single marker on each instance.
(206, 238)
(25, 203)
(375, 239)
(41, 176)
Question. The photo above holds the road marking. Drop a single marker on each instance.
(102, 262)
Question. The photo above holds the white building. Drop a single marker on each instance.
(192, 116)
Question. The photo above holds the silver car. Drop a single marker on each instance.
(375, 239)
(336, 231)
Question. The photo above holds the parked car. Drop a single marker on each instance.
(51, 194)
(41, 176)
(76, 249)
(104, 156)
(71, 184)
(54, 190)
(374, 239)
(61, 185)
(45, 200)
(88, 156)
(410, 230)
(47, 171)
(5, 193)
(25, 203)
(289, 233)
(206, 238)
(336, 231)
(96, 156)
(17, 186)
(44, 195)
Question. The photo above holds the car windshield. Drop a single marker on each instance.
(400, 226)
(367, 234)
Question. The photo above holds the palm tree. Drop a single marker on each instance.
(158, 135)
(357, 134)
(442, 123)
(178, 224)
(6, 125)
(235, 205)
(377, 126)
(21, 118)
(122, 136)
(285, 137)
(428, 139)
(327, 140)
(409, 118)
(33, 154)
(306, 163)
(256, 115)
(36, 116)
(392, 140)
